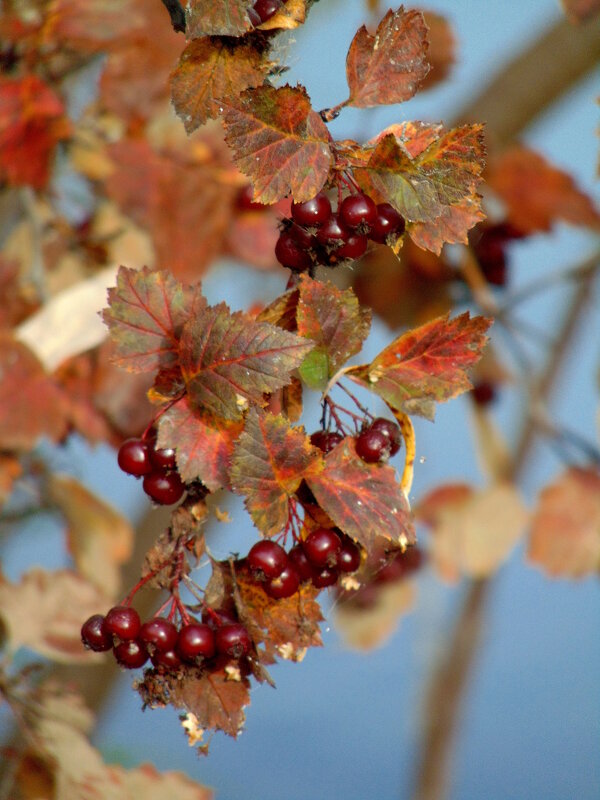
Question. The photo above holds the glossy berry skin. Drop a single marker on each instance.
(124, 622)
(196, 640)
(303, 238)
(95, 636)
(348, 559)
(388, 222)
(389, 429)
(134, 457)
(358, 210)
(290, 254)
(131, 654)
(244, 199)
(160, 633)
(233, 640)
(267, 559)
(266, 8)
(324, 576)
(300, 562)
(285, 585)
(168, 660)
(326, 440)
(163, 458)
(165, 488)
(372, 446)
(322, 547)
(313, 212)
(354, 247)
(333, 233)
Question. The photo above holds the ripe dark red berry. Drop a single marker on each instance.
(483, 393)
(168, 661)
(354, 247)
(266, 8)
(333, 233)
(348, 559)
(164, 488)
(163, 458)
(123, 621)
(301, 564)
(134, 457)
(159, 632)
(326, 440)
(268, 559)
(324, 576)
(322, 547)
(372, 446)
(389, 429)
(290, 254)
(388, 222)
(95, 636)
(303, 238)
(285, 585)
(358, 210)
(131, 654)
(196, 640)
(313, 212)
(244, 199)
(233, 640)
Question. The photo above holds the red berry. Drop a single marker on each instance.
(163, 458)
(196, 640)
(301, 564)
(244, 199)
(233, 640)
(312, 212)
(324, 576)
(159, 632)
(218, 616)
(134, 457)
(322, 547)
(131, 654)
(164, 488)
(95, 636)
(333, 233)
(290, 254)
(285, 585)
(388, 222)
(389, 429)
(124, 622)
(268, 559)
(348, 559)
(357, 210)
(168, 660)
(372, 446)
(303, 238)
(354, 247)
(266, 8)
(326, 440)
(483, 393)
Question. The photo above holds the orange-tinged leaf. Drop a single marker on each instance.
(270, 460)
(203, 447)
(291, 14)
(427, 365)
(363, 500)
(366, 628)
(565, 531)
(10, 470)
(146, 313)
(538, 194)
(211, 68)
(388, 67)
(442, 48)
(451, 227)
(279, 142)
(252, 237)
(90, 25)
(223, 18)
(229, 360)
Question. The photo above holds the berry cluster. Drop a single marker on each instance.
(159, 640)
(376, 442)
(262, 10)
(318, 235)
(157, 467)
(320, 558)
(490, 250)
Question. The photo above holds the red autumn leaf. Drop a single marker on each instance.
(228, 360)
(146, 313)
(565, 531)
(388, 67)
(212, 68)
(203, 448)
(363, 500)
(32, 122)
(279, 142)
(538, 194)
(252, 237)
(442, 48)
(451, 227)
(282, 311)
(427, 365)
(270, 460)
(580, 10)
(210, 18)
(335, 322)
(31, 404)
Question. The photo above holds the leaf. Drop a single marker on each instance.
(44, 611)
(580, 10)
(427, 365)
(282, 311)
(145, 317)
(228, 360)
(225, 18)
(365, 501)
(203, 448)
(100, 539)
(90, 25)
(32, 122)
(211, 68)
(474, 531)
(270, 460)
(388, 67)
(334, 321)
(565, 531)
(279, 142)
(31, 404)
(451, 227)
(290, 15)
(366, 628)
(538, 194)
(442, 49)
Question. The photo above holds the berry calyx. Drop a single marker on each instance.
(165, 488)
(134, 457)
(124, 622)
(233, 640)
(389, 429)
(372, 446)
(326, 440)
(348, 559)
(313, 212)
(358, 210)
(290, 254)
(388, 222)
(333, 233)
(163, 458)
(267, 559)
(285, 585)
(160, 633)
(131, 654)
(322, 547)
(266, 8)
(196, 640)
(324, 576)
(94, 634)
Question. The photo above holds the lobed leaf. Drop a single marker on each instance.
(223, 18)
(426, 365)
(279, 142)
(451, 227)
